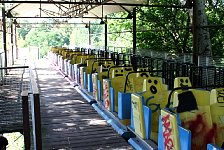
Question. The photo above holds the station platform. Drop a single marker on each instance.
(68, 120)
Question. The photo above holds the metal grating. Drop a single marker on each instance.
(10, 99)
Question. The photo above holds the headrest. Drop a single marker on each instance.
(187, 102)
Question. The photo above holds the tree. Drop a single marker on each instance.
(215, 13)
(96, 34)
(164, 29)
(158, 28)
(79, 36)
(24, 30)
(45, 37)
(120, 30)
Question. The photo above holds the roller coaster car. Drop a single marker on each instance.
(89, 63)
(83, 77)
(95, 86)
(146, 107)
(103, 74)
(80, 59)
(73, 57)
(106, 65)
(217, 113)
(103, 70)
(200, 114)
(133, 83)
(117, 83)
(97, 79)
(100, 84)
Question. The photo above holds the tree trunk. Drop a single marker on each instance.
(201, 37)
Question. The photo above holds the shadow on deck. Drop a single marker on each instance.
(68, 121)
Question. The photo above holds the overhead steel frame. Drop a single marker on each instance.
(81, 8)
(95, 2)
(73, 9)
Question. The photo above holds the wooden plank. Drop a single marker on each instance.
(88, 142)
(85, 135)
(64, 112)
(69, 122)
(71, 133)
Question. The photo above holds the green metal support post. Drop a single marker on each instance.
(134, 31)
(89, 30)
(4, 34)
(12, 41)
(105, 26)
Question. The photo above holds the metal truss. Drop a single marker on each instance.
(70, 9)
(78, 10)
(75, 8)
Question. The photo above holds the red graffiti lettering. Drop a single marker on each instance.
(202, 133)
(94, 89)
(106, 95)
(167, 132)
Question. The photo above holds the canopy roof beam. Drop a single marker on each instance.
(93, 3)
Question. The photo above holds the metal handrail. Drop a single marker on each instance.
(35, 109)
(34, 96)
(16, 67)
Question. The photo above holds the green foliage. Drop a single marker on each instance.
(167, 29)
(164, 29)
(158, 28)
(79, 36)
(97, 34)
(24, 30)
(119, 30)
(215, 15)
(46, 37)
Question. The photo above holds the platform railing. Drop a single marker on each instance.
(35, 111)
(202, 75)
(15, 85)
(33, 97)
(26, 122)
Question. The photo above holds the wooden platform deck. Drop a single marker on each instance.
(68, 121)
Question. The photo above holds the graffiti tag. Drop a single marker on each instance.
(106, 95)
(167, 133)
(220, 96)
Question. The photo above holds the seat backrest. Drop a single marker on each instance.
(182, 82)
(138, 115)
(106, 65)
(217, 112)
(179, 82)
(95, 86)
(89, 65)
(195, 115)
(118, 82)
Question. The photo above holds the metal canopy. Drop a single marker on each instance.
(90, 9)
